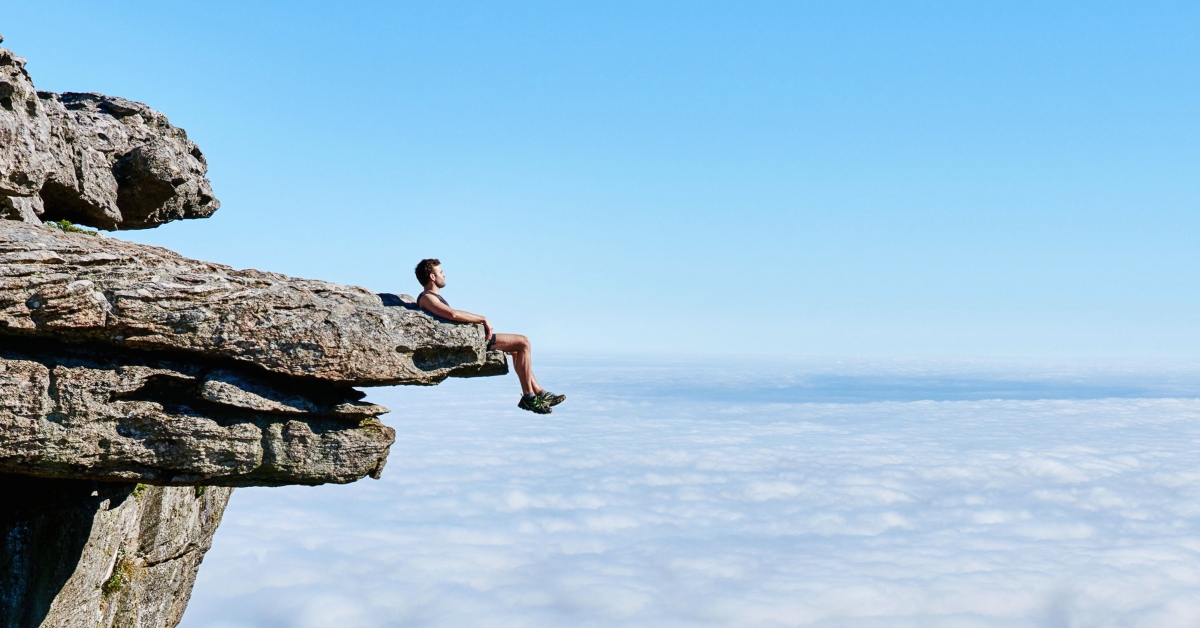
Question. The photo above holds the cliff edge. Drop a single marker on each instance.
(138, 387)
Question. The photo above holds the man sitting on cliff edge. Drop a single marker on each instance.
(534, 398)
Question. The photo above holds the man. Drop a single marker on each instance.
(533, 398)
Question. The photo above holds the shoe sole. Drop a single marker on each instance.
(522, 406)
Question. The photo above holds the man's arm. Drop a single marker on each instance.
(441, 310)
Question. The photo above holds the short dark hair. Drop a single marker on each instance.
(425, 269)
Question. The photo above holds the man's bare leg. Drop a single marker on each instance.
(521, 350)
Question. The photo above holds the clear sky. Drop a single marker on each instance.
(834, 178)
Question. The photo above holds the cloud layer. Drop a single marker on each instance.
(636, 504)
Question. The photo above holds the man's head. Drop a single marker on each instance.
(429, 273)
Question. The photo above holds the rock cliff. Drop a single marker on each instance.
(137, 386)
(84, 553)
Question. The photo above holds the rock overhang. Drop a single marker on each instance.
(108, 292)
(124, 361)
(128, 362)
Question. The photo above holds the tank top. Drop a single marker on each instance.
(425, 292)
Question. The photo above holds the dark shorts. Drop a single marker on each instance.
(491, 342)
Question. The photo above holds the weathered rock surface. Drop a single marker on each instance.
(137, 386)
(92, 159)
(83, 554)
(79, 287)
(130, 362)
(71, 413)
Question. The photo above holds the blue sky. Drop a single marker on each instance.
(837, 178)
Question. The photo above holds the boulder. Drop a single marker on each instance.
(91, 159)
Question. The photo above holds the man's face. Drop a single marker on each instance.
(439, 278)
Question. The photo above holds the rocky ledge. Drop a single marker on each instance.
(138, 386)
(126, 296)
(130, 362)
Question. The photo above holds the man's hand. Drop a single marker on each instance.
(487, 329)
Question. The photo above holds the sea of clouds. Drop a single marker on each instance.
(745, 494)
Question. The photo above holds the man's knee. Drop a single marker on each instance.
(513, 343)
(518, 344)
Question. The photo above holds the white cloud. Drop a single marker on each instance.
(639, 504)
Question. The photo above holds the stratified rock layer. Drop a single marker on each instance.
(79, 287)
(92, 159)
(71, 413)
(82, 554)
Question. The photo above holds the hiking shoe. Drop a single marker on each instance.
(551, 398)
(534, 403)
